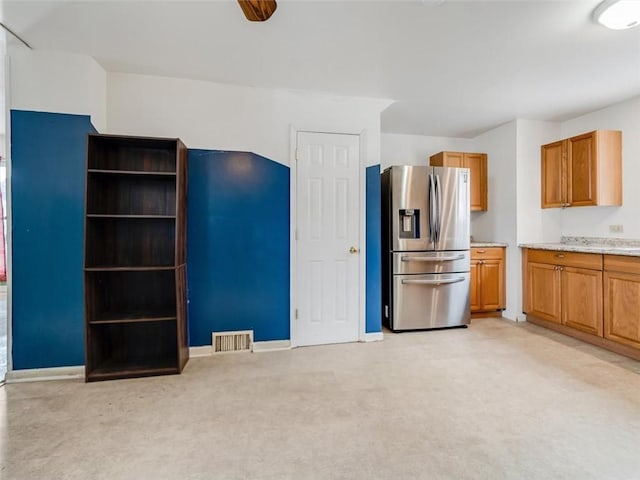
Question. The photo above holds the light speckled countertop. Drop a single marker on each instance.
(607, 246)
(476, 244)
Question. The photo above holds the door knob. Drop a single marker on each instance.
(353, 250)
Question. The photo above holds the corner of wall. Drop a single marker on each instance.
(58, 82)
(97, 94)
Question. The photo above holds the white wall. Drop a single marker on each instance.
(203, 114)
(57, 82)
(400, 149)
(97, 94)
(595, 221)
(225, 117)
(534, 224)
(498, 223)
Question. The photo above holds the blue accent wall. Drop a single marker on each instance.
(48, 163)
(374, 278)
(237, 245)
(238, 270)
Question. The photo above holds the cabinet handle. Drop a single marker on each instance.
(559, 255)
(482, 251)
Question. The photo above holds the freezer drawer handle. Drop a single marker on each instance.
(407, 258)
(433, 282)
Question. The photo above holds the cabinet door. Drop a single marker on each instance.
(552, 175)
(491, 280)
(582, 170)
(477, 165)
(622, 308)
(475, 286)
(544, 291)
(582, 299)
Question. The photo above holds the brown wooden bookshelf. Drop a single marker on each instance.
(103, 215)
(129, 172)
(127, 319)
(134, 257)
(112, 268)
(131, 194)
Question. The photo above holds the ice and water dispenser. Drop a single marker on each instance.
(409, 223)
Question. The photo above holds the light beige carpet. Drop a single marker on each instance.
(496, 401)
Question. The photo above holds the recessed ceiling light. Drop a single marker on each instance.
(618, 14)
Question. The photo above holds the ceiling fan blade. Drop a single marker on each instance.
(258, 10)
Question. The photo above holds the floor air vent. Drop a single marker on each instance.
(226, 342)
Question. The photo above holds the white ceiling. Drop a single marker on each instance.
(454, 68)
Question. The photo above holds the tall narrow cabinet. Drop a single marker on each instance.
(134, 257)
(477, 165)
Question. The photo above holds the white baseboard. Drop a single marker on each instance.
(271, 346)
(45, 374)
(373, 337)
(258, 347)
(203, 351)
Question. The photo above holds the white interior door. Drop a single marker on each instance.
(328, 237)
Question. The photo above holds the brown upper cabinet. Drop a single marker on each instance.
(583, 170)
(477, 165)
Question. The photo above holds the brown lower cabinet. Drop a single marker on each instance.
(544, 291)
(563, 293)
(487, 280)
(589, 296)
(622, 299)
(582, 299)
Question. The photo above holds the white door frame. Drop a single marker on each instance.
(293, 211)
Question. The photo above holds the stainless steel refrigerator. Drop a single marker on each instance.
(425, 247)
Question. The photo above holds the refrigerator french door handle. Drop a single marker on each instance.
(438, 195)
(432, 196)
(432, 282)
(407, 258)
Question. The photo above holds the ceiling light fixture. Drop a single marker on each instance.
(258, 10)
(618, 14)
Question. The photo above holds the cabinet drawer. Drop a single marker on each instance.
(621, 263)
(485, 253)
(591, 261)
